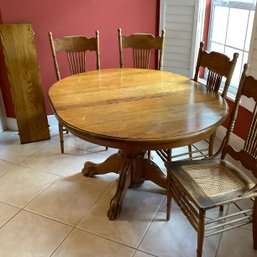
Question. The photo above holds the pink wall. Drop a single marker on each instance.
(206, 20)
(77, 18)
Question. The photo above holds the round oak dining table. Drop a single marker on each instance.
(135, 110)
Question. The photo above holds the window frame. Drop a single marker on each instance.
(237, 5)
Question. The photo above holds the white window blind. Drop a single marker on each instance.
(181, 20)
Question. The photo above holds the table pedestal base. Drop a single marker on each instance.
(132, 168)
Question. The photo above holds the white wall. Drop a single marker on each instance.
(252, 60)
(3, 125)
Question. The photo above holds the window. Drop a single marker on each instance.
(230, 30)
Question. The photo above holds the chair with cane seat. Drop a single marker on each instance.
(201, 185)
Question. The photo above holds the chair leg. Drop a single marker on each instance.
(200, 233)
(255, 224)
(190, 151)
(211, 144)
(169, 154)
(168, 205)
(61, 137)
(149, 155)
(168, 201)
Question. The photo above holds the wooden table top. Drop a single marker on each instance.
(136, 108)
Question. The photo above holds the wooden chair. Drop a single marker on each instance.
(143, 45)
(74, 48)
(200, 185)
(216, 66)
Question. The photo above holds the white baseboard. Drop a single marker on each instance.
(221, 132)
(3, 122)
(12, 122)
(236, 141)
(52, 121)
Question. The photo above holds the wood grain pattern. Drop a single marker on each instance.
(136, 108)
(24, 79)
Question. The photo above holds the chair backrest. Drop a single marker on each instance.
(218, 66)
(248, 154)
(75, 48)
(142, 45)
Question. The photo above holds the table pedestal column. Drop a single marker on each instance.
(132, 168)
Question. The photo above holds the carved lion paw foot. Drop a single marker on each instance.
(89, 169)
(114, 210)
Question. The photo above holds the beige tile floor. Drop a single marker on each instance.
(47, 208)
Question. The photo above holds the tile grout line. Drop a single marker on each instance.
(73, 228)
(150, 223)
